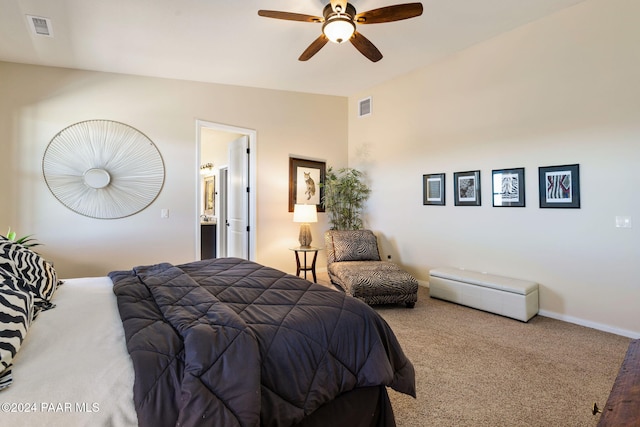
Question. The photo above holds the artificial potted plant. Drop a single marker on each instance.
(26, 241)
(344, 196)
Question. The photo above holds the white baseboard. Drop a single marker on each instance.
(577, 321)
(590, 324)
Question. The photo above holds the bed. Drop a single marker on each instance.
(220, 342)
(73, 368)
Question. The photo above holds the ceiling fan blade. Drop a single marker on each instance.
(289, 16)
(390, 13)
(365, 47)
(313, 48)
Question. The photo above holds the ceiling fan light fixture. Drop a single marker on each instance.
(339, 19)
(339, 28)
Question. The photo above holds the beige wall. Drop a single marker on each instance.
(559, 91)
(38, 102)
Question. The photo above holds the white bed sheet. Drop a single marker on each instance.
(73, 368)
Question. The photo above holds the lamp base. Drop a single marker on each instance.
(305, 235)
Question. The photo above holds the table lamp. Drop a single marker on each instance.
(305, 214)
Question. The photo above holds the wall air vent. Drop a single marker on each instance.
(40, 26)
(364, 107)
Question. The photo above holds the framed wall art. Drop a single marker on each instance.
(433, 189)
(466, 188)
(559, 186)
(306, 180)
(508, 187)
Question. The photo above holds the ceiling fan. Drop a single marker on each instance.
(339, 20)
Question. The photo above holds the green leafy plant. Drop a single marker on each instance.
(344, 196)
(26, 241)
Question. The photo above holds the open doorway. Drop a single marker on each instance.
(225, 188)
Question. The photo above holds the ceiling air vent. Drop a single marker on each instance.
(40, 26)
(364, 107)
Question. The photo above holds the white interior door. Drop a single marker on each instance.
(238, 199)
(244, 215)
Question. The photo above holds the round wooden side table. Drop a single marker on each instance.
(304, 266)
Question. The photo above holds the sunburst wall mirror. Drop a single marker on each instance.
(103, 169)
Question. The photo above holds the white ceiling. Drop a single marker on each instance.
(227, 42)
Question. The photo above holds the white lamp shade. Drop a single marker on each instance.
(305, 213)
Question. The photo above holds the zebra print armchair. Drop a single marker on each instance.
(354, 265)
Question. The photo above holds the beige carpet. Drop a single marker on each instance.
(479, 369)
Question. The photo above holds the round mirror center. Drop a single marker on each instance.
(97, 178)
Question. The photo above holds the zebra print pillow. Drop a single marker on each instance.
(16, 314)
(27, 265)
(353, 245)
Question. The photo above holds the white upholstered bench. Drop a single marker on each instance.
(497, 294)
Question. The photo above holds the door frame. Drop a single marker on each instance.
(252, 134)
(223, 232)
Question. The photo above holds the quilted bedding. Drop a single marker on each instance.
(230, 342)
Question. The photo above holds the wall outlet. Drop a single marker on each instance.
(623, 222)
(164, 213)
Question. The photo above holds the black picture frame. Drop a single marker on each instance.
(466, 188)
(433, 189)
(508, 188)
(559, 186)
(301, 190)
